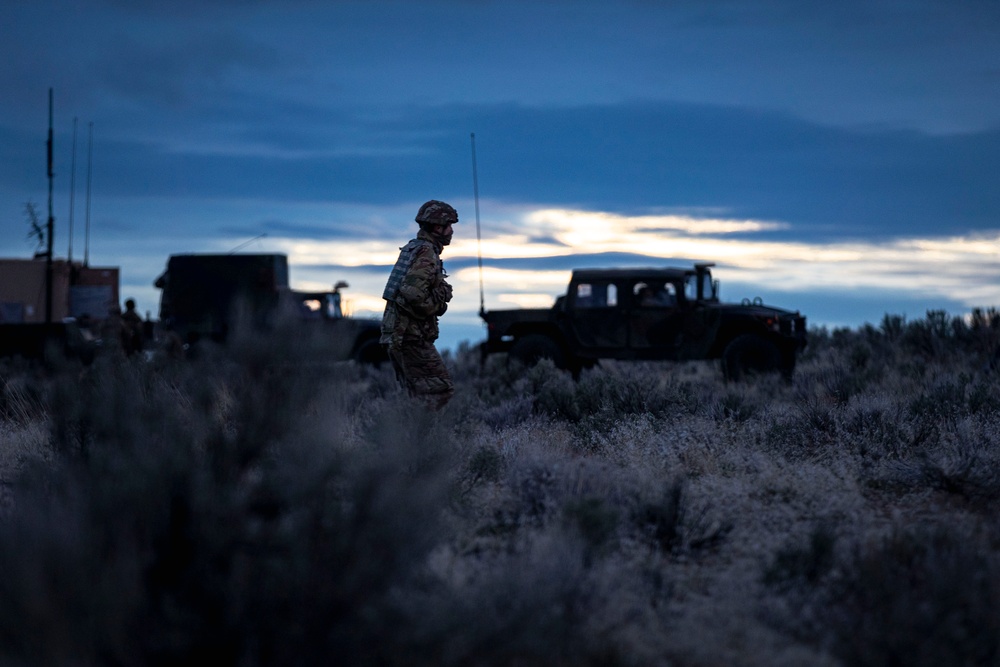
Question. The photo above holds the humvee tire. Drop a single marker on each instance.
(530, 349)
(749, 354)
(371, 352)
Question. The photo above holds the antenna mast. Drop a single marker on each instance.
(479, 240)
(51, 224)
(246, 243)
(90, 164)
(72, 192)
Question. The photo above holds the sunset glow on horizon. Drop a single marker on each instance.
(961, 268)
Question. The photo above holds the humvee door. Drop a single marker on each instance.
(597, 318)
(655, 319)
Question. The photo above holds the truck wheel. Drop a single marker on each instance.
(534, 347)
(788, 366)
(749, 354)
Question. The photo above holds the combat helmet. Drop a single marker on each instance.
(436, 212)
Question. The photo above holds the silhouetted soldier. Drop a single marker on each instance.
(132, 327)
(416, 294)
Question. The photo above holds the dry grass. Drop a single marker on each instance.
(255, 508)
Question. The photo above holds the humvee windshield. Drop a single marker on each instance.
(656, 293)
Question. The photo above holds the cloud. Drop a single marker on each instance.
(956, 270)
(597, 228)
(821, 183)
(150, 71)
(849, 64)
(297, 231)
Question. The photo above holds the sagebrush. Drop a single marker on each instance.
(257, 507)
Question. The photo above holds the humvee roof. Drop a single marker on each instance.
(664, 273)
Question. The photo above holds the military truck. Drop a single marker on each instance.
(206, 296)
(649, 314)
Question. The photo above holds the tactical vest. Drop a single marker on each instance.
(406, 254)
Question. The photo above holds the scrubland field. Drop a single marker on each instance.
(255, 507)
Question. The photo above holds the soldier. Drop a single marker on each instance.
(131, 329)
(416, 294)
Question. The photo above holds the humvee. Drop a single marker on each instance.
(649, 314)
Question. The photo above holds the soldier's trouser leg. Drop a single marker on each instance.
(422, 371)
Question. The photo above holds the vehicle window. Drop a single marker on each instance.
(706, 288)
(654, 294)
(310, 307)
(333, 310)
(691, 288)
(596, 295)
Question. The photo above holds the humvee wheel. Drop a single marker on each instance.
(532, 348)
(749, 354)
(371, 352)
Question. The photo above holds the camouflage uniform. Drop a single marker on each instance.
(416, 294)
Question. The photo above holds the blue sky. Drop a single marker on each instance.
(835, 158)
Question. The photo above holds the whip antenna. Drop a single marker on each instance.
(90, 168)
(51, 224)
(246, 243)
(72, 192)
(479, 240)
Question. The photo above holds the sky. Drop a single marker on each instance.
(839, 159)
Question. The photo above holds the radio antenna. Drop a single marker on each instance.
(90, 168)
(72, 192)
(51, 223)
(246, 243)
(479, 240)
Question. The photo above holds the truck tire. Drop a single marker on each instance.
(532, 348)
(371, 352)
(787, 369)
(749, 354)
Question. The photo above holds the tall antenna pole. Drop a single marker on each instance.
(90, 164)
(479, 240)
(72, 192)
(51, 224)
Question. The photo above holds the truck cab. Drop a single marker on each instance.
(207, 296)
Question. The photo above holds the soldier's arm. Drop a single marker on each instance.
(417, 294)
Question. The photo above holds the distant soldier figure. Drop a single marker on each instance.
(416, 294)
(132, 326)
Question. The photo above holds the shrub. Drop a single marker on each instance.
(925, 596)
(805, 565)
(192, 517)
(255, 507)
